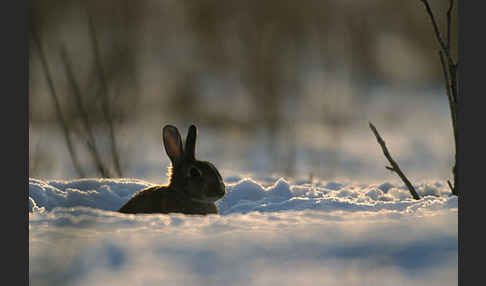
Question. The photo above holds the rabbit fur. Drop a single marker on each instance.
(194, 186)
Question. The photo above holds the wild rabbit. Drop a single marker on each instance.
(194, 185)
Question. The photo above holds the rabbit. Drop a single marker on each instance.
(194, 185)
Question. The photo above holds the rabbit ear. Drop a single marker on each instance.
(172, 144)
(190, 149)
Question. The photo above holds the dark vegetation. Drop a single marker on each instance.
(95, 66)
(449, 68)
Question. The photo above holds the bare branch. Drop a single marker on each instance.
(450, 75)
(453, 81)
(450, 87)
(442, 45)
(84, 115)
(453, 188)
(452, 102)
(451, 6)
(395, 168)
(106, 103)
(57, 105)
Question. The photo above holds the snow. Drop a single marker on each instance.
(269, 232)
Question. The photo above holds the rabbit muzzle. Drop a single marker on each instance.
(212, 194)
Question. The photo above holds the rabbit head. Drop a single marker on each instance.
(196, 180)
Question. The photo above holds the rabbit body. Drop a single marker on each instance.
(161, 199)
(194, 185)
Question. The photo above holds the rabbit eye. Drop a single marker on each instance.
(194, 172)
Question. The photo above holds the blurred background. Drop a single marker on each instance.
(276, 88)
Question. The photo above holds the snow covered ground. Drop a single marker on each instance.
(269, 232)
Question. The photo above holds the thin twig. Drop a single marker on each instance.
(450, 76)
(451, 6)
(453, 110)
(453, 82)
(84, 115)
(442, 45)
(452, 103)
(395, 168)
(57, 105)
(453, 188)
(106, 104)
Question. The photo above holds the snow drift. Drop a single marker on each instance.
(282, 233)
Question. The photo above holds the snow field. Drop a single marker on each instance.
(281, 233)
